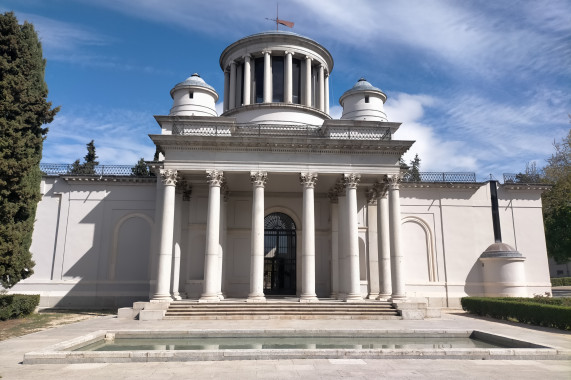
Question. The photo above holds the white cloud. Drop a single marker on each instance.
(436, 153)
(120, 136)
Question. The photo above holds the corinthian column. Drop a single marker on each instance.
(257, 255)
(354, 283)
(308, 181)
(177, 239)
(385, 290)
(168, 178)
(321, 88)
(334, 198)
(396, 255)
(373, 244)
(211, 257)
(226, 90)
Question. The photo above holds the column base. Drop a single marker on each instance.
(210, 298)
(220, 296)
(383, 297)
(176, 297)
(372, 296)
(397, 297)
(256, 298)
(333, 296)
(308, 298)
(353, 298)
(162, 297)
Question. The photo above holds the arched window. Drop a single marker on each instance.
(279, 254)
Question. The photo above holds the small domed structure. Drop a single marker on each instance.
(193, 97)
(363, 102)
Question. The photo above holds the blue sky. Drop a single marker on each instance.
(481, 85)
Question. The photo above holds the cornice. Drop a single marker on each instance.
(526, 186)
(441, 185)
(279, 144)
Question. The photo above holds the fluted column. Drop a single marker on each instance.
(398, 291)
(226, 89)
(308, 181)
(267, 77)
(211, 257)
(247, 80)
(334, 198)
(321, 88)
(354, 283)
(177, 240)
(288, 78)
(327, 94)
(257, 255)
(162, 292)
(385, 289)
(373, 244)
(308, 81)
(232, 103)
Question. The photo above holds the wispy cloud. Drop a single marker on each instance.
(120, 136)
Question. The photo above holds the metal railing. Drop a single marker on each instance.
(522, 178)
(465, 177)
(283, 130)
(99, 170)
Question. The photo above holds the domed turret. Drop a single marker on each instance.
(193, 97)
(363, 102)
(276, 77)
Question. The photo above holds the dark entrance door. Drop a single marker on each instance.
(279, 255)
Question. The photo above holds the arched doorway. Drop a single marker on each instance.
(279, 254)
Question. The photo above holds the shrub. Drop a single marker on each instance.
(541, 311)
(561, 281)
(17, 305)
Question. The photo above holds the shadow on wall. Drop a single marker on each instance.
(473, 286)
(103, 248)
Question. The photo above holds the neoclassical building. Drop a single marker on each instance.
(275, 198)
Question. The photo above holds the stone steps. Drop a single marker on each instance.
(280, 310)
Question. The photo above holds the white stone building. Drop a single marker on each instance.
(274, 197)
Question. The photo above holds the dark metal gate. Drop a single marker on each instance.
(279, 255)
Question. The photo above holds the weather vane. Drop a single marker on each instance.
(289, 24)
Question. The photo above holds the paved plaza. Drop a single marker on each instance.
(13, 350)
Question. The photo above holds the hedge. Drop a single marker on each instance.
(541, 311)
(561, 281)
(17, 305)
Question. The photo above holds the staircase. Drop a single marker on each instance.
(281, 309)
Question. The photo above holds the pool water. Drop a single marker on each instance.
(283, 343)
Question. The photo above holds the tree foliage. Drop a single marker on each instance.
(24, 110)
(412, 171)
(89, 164)
(557, 201)
(141, 169)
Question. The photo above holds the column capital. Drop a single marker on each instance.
(266, 51)
(308, 179)
(350, 180)
(393, 181)
(258, 179)
(225, 190)
(233, 62)
(381, 189)
(307, 57)
(249, 56)
(372, 195)
(215, 177)
(168, 177)
(333, 196)
(289, 52)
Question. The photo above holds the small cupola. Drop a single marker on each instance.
(193, 97)
(363, 102)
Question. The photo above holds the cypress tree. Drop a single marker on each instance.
(24, 110)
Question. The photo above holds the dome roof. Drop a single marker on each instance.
(361, 85)
(194, 80)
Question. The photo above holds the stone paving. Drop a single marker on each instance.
(12, 351)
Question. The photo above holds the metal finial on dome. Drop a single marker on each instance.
(195, 75)
(362, 79)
